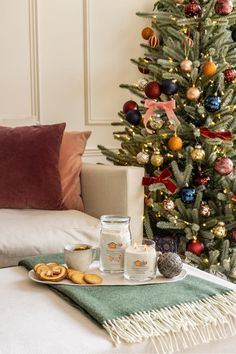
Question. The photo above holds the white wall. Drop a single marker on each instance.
(63, 60)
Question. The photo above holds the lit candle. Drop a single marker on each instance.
(140, 261)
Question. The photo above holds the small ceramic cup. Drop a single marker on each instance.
(79, 256)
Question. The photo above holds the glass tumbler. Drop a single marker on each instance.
(140, 262)
(115, 237)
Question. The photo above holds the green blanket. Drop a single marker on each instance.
(174, 315)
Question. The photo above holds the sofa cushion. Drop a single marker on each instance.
(29, 232)
(70, 164)
(29, 158)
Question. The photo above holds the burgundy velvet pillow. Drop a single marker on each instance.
(29, 176)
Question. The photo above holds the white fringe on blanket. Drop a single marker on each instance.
(179, 327)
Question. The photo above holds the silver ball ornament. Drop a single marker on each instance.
(205, 210)
(142, 83)
(156, 122)
(168, 204)
(169, 264)
(142, 158)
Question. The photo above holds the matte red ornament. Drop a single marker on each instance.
(230, 75)
(152, 90)
(224, 166)
(195, 247)
(223, 7)
(192, 9)
(129, 106)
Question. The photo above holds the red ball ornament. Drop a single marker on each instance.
(201, 179)
(129, 106)
(195, 247)
(144, 69)
(153, 41)
(152, 90)
(223, 7)
(230, 75)
(224, 166)
(192, 9)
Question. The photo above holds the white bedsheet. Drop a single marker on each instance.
(34, 320)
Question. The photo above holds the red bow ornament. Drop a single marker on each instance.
(162, 178)
(207, 133)
(168, 107)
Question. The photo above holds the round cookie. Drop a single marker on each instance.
(77, 277)
(93, 279)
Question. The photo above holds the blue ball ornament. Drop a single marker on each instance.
(188, 195)
(134, 117)
(212, 104)
(169, 87)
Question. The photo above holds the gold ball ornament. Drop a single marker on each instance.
(198, 154)
(168, 204)
(142, 158)
(157, 159)
(193, 94)
(209, 69)
(186, 66)
(219, 230)
(175, 143)
(205, 260)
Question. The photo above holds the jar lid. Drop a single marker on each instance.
(115, 219)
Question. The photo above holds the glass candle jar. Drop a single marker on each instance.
(140, 262)
(114, 239)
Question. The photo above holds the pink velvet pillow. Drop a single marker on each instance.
(29, 158)
(70, 163)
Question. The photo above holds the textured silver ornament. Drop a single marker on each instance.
(169, 264)
(168, 204)
(142, 83)
(205, 210)
(156, 122)
(186, 66)
(219, 230)
(142, 158)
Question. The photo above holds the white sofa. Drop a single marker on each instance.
(106, 189)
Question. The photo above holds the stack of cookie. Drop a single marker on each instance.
(56, 272)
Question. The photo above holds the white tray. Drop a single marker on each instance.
(111, 279)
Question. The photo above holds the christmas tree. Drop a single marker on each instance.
(181, 129)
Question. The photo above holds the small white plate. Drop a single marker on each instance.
(111, 279)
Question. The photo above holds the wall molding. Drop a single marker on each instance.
(34, 117)
(96, 152)
(87, 70)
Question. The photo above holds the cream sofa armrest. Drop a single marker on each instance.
(109, 189)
